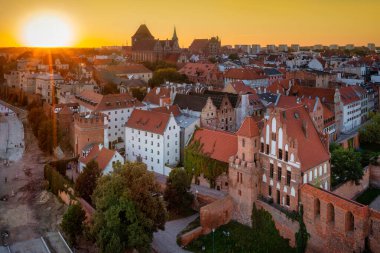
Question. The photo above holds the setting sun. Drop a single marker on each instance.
(47, 31)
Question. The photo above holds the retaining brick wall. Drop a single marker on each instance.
(350, 190)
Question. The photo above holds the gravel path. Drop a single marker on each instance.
(165, 241)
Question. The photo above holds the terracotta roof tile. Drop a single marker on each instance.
(249, 128)
(102, 156)
(168, 109)
(155, 94)
(150, 121)
(214, 143)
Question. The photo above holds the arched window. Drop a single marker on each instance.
(350, 221)
(243, 156)
(330, 213)
(243, 142)
(317, 208)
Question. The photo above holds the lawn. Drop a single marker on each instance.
(368, 196)
(235, 237)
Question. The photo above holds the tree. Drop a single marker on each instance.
(370, 133)
(35, 116)
(110, 88)
(47, 136)
(161, 76)
(86, 181)
(138, 93)
(128, 209)
(73, 222)
(233, 57)
(177, 192)
(346, 166)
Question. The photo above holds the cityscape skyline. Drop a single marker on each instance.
(92, 24)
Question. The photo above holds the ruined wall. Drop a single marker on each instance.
(190, 236)
(335, 224)
(285, 226)
(350, 189)
(216, 214)
(374, 177)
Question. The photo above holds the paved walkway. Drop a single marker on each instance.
(165, 241)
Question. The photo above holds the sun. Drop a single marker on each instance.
(46, 30)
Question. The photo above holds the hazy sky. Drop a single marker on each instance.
(113, 22)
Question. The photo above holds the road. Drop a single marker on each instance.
(165, 241)
(29, 211)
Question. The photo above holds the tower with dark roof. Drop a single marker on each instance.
(141, 34)
(175, 38)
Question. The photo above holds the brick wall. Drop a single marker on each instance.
(350, 189)
(216, 214)
(374, 177)
(286, 227)
(190, 236)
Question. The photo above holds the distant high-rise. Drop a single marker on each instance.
(371, 46)
(333, 47)
(283, 48)
(350, 46)
(295, 47)
(255, 49)
(271, 48)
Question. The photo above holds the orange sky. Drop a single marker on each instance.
(113, 22)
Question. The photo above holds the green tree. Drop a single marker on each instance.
(233, 57)
(177, 192)
(46, 135)
(346, 166)
(302, 236)
(128, 208)
(161, 76)
(86, 181)
(110, 88)
(370, 133)
(35, 116)
(73, 222)
(138, 93)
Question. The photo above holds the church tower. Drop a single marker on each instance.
(175, 38)
(244, 171)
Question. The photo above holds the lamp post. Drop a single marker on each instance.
(213, 240)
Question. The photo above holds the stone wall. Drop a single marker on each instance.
(374, 177)
(285, 226)
(190, 236)
(216, 214)
(350, 189)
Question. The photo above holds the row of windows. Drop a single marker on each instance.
(279, 174)
(278, 196)
(151, 151)
(115, 112)
(280, 154)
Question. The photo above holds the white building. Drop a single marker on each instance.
(295, 47)
(46, 84)
(118, 108)
(154, 139)
(283, 48)
(255, 49)
(317, 64)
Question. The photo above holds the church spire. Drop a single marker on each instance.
(175, 34)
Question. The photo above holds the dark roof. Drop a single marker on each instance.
(268, 97)
(271, 72)
(194, 103)
(145, 45)
(220, 94)
(143, 33)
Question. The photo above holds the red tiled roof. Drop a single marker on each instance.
(241, 88)
(198, 69)
(128, 69)
(249, 128)
(326, 95)
(295, 118)
(286, 102)
(155, 94)
(198, 45)
(168, 109)
(351, 94)
(102, 61)
(98, 102)
(150, 121)
(102, 157)
(214, 143)
(244, 74)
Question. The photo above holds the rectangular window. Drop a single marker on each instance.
(267, 149)
(262, 147)
(286, 156)
(279, 173)
(271, 170)
(270, 191)
(280, 154)
(288, 177)
(287, 200)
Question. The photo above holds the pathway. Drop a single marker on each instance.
(165, 241)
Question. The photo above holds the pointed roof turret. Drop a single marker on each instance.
(175, 34)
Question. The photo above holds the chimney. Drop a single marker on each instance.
(305, 128)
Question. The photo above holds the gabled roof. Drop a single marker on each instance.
(244, 74)
(326, 95)
(155, 94)
(241, 88)
(198, 45)
(174, 109)
(296, 119)
(143, 33)
(198, 69)
(351, 94)
(214, 143)
(128, 69)
(194, 103)
(98, 102)
(102, 156)
(150, 121)
(249, 128)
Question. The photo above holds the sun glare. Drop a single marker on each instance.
(47, 31)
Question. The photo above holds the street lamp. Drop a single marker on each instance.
(213, 240)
